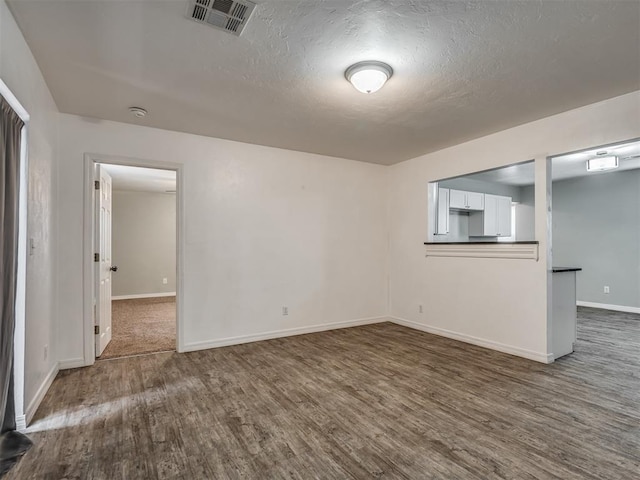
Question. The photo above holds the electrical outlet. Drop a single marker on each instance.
(419, 308)
(46, 351)
(285, 310)
(606, 289)
(165, 281)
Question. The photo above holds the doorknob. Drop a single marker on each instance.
(114, 268)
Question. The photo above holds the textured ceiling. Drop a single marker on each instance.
(462, 69)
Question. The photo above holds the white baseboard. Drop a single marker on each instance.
(481, 342)
(37, 399)
(225, 342)
(71, 363)
(143, 295)
(21, 423)
(606, 306)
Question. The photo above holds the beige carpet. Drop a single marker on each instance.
(144, 325)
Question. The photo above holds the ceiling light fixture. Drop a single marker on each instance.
(600, 164)
(138, 112)
(368, 77)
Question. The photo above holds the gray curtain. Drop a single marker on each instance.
(12, 443)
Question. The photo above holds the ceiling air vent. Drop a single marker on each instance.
(228, 15)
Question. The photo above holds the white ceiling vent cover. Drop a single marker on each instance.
(228, 15)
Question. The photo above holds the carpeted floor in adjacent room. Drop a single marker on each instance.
(143, 325)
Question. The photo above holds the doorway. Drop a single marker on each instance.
(596, 223)
(596, 231)
(133, 292)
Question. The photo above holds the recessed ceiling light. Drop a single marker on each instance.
(600, 164)
(138, 112)
(368, 77)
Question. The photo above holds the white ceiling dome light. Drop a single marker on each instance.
(369, 76)
(600, 164)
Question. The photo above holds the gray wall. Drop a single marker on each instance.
(527, 195)
(596, 226)
(526, 215)
(458, 228)
(143, 242)
(480, 186)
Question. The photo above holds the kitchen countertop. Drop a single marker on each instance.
(528, 242)
(566, 269)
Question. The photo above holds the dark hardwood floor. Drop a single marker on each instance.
(380, 401)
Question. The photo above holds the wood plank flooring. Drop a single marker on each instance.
(380, 401)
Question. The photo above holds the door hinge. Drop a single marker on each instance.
(96, 329)
(96, 257)
(96, 184)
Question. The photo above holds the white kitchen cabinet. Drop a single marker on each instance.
(486, 223)
(457, 199)
(504, 216)
(494, 220)
(564, 313)
(475, 201)
(442, 212)
(470, 201)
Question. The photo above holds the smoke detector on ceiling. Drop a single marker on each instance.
(228, 15)
(138, 112)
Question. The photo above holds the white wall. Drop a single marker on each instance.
(143, 243)
(501, 303)
(264, 228)
(20, 72)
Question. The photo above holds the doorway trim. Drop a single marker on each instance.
(549, 227)
(90, 159)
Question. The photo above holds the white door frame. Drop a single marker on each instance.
(549, 208)
(90, 159)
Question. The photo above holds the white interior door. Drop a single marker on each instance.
(103, 263)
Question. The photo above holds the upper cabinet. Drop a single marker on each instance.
(457, 199)
(470, 201)
(495, 220)
(475, 201)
